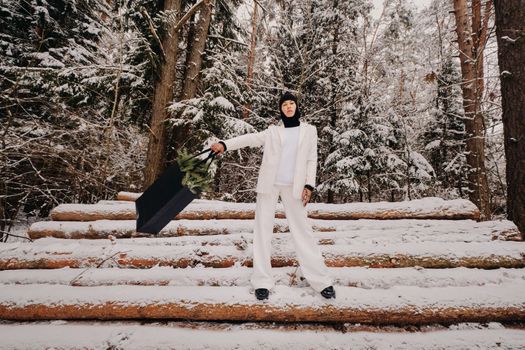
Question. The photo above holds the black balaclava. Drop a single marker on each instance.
(289, 122)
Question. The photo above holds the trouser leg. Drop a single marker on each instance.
(311, 260)
(262, 240)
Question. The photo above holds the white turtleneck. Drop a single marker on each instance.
(286, 170)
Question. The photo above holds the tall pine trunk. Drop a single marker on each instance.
(333, 100)
(251, 57)
(194, 64)
(469, 53)
(163, 94)
(510, 32)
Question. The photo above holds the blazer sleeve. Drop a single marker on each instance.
(255, 139)
(311, 163)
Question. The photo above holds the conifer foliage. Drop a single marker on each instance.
(383, 87)
(196, 174)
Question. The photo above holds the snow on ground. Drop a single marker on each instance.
(133, 335)
(18, 233)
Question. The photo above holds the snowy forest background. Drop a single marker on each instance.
(77, 79)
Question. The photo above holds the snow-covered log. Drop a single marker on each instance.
(398, 305)
(357, 276)
(403, 230)
(128, 196)
(424, 208)
(110, 253)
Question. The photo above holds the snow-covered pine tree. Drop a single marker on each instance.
(315, 53)
(401, 66)
(140, 21)
(406, 56)
(211, 111)
(445, 133)
(391, 90)
(58, 94)
(50, 48)
(216, 112)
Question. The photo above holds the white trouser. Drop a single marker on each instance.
(307, 249)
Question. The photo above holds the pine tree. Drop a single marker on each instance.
(216, 112)
(58, 94)
(445, 134)
(315, 54)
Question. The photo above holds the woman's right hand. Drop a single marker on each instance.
(217, 148)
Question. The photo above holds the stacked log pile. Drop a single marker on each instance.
(421, 263)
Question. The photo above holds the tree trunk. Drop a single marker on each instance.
(369, 186)
(510, 32)
(251, 57)
(163, 94)
(474, 124)
(193, 66)
(197, 50)
(333, 98)
(190, 38)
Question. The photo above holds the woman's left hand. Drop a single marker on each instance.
(307, 194)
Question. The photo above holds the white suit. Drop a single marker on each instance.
(272, 139)
(308, 251)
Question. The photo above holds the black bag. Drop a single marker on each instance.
(165, 198)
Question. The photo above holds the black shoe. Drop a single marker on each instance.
(262, 293)
(328, 292)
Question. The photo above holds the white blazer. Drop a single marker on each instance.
(272, 139)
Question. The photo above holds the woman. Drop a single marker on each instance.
(287, 170)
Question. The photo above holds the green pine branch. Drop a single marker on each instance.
(196, 177)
